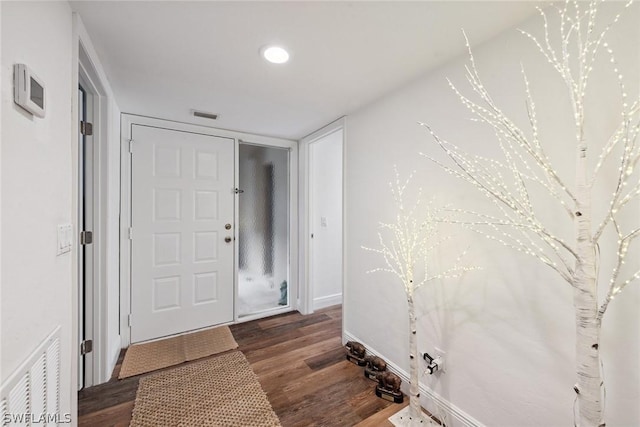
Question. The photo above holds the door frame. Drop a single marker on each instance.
(294, 284)
(86, 217)
(306, 211)
(97, 361)
(126, 123)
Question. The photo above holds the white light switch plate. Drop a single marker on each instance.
(323, 221)
(65, 238)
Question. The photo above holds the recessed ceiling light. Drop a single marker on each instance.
(275, 54)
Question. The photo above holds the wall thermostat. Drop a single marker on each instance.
(29, 92)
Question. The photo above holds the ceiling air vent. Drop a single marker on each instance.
(205, 115)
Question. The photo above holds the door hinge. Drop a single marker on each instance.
(131, 146)
(130, 233)
(129, 319)
(86, 237)
(86, 128)
(86, 347)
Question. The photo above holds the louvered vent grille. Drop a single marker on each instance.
(31, 395)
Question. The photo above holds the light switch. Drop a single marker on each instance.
(65, 238)
(323, 221)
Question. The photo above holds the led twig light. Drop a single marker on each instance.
(405, 246)
(572, 51)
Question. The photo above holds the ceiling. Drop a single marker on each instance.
(164, 59)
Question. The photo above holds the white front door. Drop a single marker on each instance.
(182, 197)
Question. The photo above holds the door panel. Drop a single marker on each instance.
(85, 251)
(325, 261)
(182, 197)
(81, 284)
(263, 233)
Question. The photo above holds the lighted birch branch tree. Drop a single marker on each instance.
(405, 246)
(508, 182)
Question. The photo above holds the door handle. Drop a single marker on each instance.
(227, 239)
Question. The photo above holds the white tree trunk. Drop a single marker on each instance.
(588, 363)
(585, 300)
(415, 410)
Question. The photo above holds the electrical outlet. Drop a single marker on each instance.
(441, 355)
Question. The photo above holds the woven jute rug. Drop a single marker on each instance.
(219, 391)
(147, 357)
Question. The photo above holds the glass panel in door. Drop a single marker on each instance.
(263, 234)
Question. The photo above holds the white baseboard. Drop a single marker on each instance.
(112, 359)
(430, 400)
(327, 301)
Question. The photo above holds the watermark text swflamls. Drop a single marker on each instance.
(28, 418)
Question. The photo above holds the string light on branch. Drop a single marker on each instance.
(405, 246)
(574, 49)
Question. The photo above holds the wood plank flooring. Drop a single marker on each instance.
(301, 365)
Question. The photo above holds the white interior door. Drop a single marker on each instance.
(81, 108)
(182, 197)
(325, 265)
(86, 223)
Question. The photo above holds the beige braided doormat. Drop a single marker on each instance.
(219, 391)
(151, 356)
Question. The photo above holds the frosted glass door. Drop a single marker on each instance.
(263, 233)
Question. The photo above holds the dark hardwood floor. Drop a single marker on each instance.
(301, 365)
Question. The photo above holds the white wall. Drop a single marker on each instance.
(508, 330)
(37, 164)
(326, 201)
(112, 260)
